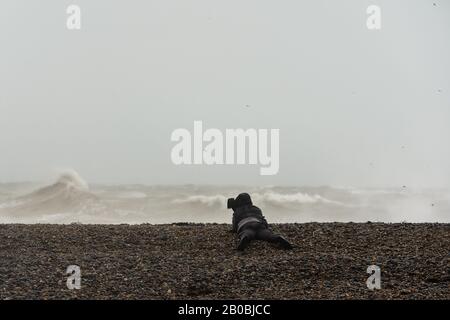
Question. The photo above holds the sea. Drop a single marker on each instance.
(70, 199)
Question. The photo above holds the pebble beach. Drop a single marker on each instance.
(200, 261)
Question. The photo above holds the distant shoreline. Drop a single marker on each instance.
(199, 261)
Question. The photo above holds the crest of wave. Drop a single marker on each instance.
(259, 199)
(71, 179)
(217, 201)
(274, 198)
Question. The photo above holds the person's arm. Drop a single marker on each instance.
(263, 219)
(234, 223)
(265, 222)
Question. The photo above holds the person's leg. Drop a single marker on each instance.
(267, 235)
(245, 237)
(249, 233)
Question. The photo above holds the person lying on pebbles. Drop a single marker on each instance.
(250, 224)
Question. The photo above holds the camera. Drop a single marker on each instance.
(231, 202)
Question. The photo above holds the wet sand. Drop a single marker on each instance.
(196, 261)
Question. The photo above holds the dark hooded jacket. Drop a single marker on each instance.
(245, 212)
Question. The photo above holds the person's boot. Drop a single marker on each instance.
(243, 243)
(284, 243)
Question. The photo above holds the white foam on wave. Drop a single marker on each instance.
(298, 198)
(209, 201)
(132, 195)
(71, 179)
(271, 198)
(10, 204)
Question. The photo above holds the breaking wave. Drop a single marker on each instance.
(267, 198)
(71, 179)
(217, 201)
(298, 198)
(69, 194)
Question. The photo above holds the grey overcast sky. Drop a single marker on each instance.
(354, 107)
